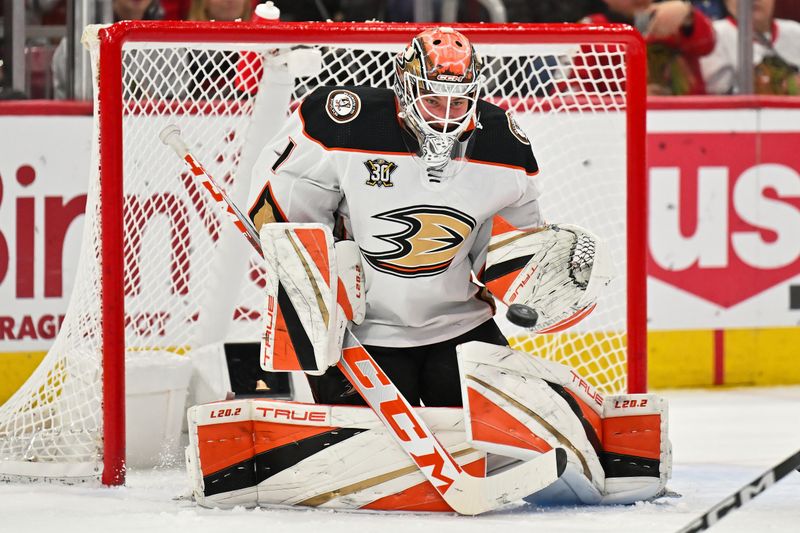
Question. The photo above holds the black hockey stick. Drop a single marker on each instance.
(465, 493)
(744, 495)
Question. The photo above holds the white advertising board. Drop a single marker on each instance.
(44, 163)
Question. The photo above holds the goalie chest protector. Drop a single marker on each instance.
(417, 232)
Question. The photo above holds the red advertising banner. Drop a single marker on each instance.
(726, 219)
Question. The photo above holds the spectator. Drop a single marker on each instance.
(677, 35)
(293, 11)
(7, 93)
(176, 9)
(713, 9)
(776, 53)
(45, 11)
(123, 10)
(787, 9)
(550, 10)
(220, 10)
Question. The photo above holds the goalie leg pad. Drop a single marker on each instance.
(637, 452)
(262, 452)
(557, 270)
(515, 405)
(518, 405)
(304, 322)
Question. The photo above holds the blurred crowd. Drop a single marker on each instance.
(692, 45)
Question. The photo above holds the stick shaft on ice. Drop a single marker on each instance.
(744, 495)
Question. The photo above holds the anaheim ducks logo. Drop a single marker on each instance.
(431, 238)
(343, 106)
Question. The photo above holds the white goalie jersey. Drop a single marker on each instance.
(343, 159)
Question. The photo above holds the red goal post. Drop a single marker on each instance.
(161, 272)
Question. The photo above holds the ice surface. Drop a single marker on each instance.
(722, 439)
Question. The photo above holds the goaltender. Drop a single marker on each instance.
(414, 176)
(396, 213)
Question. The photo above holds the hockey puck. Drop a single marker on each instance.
(522, 315)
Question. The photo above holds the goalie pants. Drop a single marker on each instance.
(422, 373)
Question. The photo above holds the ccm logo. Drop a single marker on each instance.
(424, 449)
(291, 414)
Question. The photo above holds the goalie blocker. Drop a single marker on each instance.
(314, 287)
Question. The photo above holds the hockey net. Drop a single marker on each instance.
(161, 272)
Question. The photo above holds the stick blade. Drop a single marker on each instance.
(475, 495)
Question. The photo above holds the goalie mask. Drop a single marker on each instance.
(437, 81)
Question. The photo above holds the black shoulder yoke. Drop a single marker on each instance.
(501, 141)
(353, 118)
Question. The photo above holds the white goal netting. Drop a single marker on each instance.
(190, 280)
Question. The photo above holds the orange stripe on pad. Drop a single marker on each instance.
(639, 436)
(224, 445)
(313, 240)
(423, 497)
(500, 285)
(492, 424)
(343, 301)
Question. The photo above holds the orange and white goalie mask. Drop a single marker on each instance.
(438, 83)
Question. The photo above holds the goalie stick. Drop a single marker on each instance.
(744, 495)
(465, 493)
